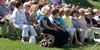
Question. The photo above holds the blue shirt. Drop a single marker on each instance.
(62, 21)
(3, 10)
(10, 9)
(76, 23)
(38, 14)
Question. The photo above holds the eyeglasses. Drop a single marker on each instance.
(28, 6)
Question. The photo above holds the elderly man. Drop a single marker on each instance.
(3, 14)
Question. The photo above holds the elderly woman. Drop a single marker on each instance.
(48, 27)
(20, 22)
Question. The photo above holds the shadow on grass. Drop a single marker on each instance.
(83, 3)
(80, 47)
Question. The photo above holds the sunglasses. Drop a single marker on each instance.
(28, 6)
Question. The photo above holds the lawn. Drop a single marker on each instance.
(8, 44)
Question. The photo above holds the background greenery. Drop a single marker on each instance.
(85, 3)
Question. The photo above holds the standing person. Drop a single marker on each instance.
(20, 22)
(3, 13)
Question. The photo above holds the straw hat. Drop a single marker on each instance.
(66, 9)
(44, 10)
(87, 12)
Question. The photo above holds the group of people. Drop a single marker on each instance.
(65, 22)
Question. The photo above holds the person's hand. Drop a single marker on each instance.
(63, 30)
(6, 13)
(54, 29)
(29, 22)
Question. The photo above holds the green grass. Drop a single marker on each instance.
(6, 44)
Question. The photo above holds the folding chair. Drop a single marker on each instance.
(46, 36)
(12, 31)
(96, 37)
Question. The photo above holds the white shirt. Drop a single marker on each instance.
(51, 18)
(18, 18)
(97, 18)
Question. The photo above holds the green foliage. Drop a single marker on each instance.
(85, 3)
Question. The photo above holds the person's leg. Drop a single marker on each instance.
(4, 29)
(71, 32)
(81, 33)
(63, 37)
(57, 35)
(33, 34)
(25, 35)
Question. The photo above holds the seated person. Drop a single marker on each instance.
(20, 22)
(69, 26)
(56, 23)
(60, 15)
(34, 17)
(78, 25)
(48, 28)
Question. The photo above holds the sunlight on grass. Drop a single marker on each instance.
(95, 4)
(7, 44)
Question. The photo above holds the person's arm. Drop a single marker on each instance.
(15, 18)
(46, 26)
(33, 19)
(63, 28)
(0, 17)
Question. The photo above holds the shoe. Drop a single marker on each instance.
(78, 43)
(22, 40)
(32, 40)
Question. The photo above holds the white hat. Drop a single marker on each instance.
(87, 12)
(95, 10)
